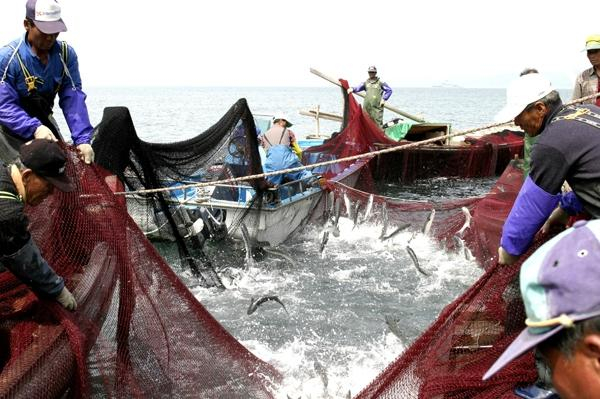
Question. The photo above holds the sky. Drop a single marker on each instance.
(275, 43)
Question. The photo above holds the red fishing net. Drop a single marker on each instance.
(137, 332)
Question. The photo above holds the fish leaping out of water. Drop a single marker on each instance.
(368, 209)
(428, 222)
(398, 230)
(254, 304)
(415, 260)
(467, 224)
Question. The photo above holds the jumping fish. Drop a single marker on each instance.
(348, 206)
(428, 223)
(398, 230)
(415, 260)
(324, 241)
(384, 215)
(459, 244)
(336, 220)
(249, 261)
(467, 224)
(254, 304)
(368, 209)
(349, 394)
(392, 324)
(281, 254)
(355, 213)
(322, 373)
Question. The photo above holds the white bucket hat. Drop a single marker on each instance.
(522, 92)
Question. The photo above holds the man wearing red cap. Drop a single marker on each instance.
(587, 82)
(33, 69)
(42, 170)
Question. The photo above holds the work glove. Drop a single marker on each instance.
(66, 299)
(86, 153)
(350, 90)
(504, 258)
(42, 132)
(381, 103)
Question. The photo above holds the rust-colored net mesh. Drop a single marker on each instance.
(137, 332)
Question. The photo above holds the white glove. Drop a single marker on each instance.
(42, 132)
(350, 90)
(66, 299)
(86, 153)
(504, 258)
(381, 103)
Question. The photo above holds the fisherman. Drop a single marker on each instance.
(42, 170)
(559, 286)
(34, 68)
(528, 141)
(282, 151)
(377, 93)
(568, 148)
(587, 83)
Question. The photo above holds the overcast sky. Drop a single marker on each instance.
(274, 43)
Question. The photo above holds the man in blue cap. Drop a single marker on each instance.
(33, 69)
(559, 284)
(42, 170)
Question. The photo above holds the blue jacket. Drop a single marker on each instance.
(51, 79)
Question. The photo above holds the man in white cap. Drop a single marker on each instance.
(33, 69)
(377, 93)
(568, 148)
(587, 82)
(280, 144)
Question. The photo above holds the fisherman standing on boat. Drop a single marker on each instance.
(559, 285)
(587, 82)
(43, 169)
(34, 69)
(282, 149)
(568, 148)
(377, 93)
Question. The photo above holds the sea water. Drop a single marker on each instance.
(337, 300)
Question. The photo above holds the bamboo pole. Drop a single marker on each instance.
(391, 108)
(322, 115)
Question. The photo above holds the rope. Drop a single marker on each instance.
(370, 154)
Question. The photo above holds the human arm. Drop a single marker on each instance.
(357, 89)
(13, 116)
(387, 91)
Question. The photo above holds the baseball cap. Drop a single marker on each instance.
(48, 161)
(522, 92)
(372, 69)
(278, 117)
(592, 42)
(559, 286)
(45, 15)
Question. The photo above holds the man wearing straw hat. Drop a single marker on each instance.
(568, 148)
(587, 82)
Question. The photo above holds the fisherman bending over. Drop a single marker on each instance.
(377, 93)
(282, 151)
(568, 148)
(43, 169)
(34, 68)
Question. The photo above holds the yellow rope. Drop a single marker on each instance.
(326, 163)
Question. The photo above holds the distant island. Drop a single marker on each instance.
(447, 85)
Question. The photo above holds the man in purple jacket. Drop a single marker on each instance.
(34, 68)
(377, 93)
(568, 148)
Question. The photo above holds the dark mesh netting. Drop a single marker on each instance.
(227, 149)
(137, 332)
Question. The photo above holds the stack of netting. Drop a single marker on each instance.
(137, 332)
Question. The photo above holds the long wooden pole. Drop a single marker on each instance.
(391, 108)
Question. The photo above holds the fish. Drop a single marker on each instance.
(355, 213)
(349, 395)
(368, 209)
(415, 260)
(459, 244)
(348, 206)
(428, 222)
(254, 304)
(322, 373)
(249, 260)
(281, 254)
(335, 230)
(467, 224)
(384, 216)
(324, 241)
(392, 324)
(398, 230)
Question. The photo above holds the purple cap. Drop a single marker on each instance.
(47, 160)
(45, 14)
(559, 286)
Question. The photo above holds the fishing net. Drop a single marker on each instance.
(449, 359)
(228, 149)
(138, 331)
